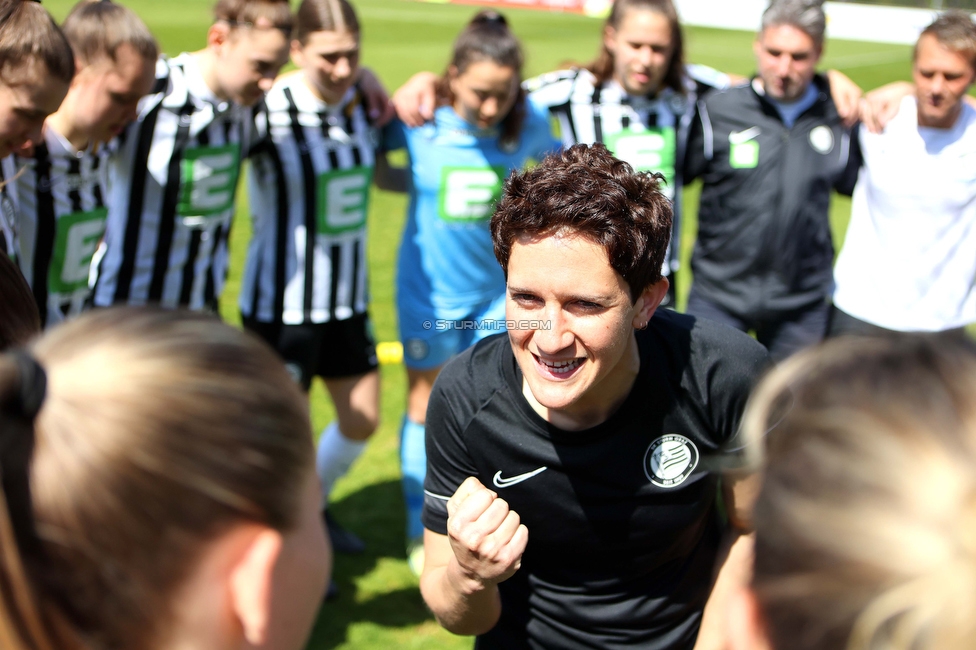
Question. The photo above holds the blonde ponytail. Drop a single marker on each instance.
(159, 430)
(866, 520)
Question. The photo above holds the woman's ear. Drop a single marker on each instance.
(747, 625)
(218, 34)
(297, 53)
(251, 579)
(647, 302)
(610, 39)
(452, 76)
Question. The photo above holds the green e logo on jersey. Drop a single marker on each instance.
(651, 150)
(208, 179)
(75, 240)
(468, 193)
(343, 200)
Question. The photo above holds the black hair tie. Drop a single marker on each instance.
(17, 448)
(490, 17)
(33, 384)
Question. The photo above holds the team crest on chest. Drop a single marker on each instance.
(670, 460)
(822, 139)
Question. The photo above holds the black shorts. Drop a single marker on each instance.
(333, 350)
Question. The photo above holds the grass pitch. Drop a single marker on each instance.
(380, 606)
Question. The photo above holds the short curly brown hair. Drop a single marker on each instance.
(585, 190)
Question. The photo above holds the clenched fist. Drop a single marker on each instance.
(487, 537)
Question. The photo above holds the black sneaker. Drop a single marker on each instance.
(343, 541)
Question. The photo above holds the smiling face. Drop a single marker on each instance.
(942, 78)
(105, 94)
(581, 361)
(787, 59)
(25, 101)
(484, 93)
(247, 61)
(330, 62)
(642, 48)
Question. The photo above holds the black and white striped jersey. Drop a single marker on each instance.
(650, 133)
(62, 213)
(172, 182)
(8, 206)
(308, 184)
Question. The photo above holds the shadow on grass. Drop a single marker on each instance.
(402, 608)
(371, 588)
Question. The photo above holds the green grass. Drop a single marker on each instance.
(380, 606)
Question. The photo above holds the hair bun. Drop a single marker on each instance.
(488, 17)
(32, 388)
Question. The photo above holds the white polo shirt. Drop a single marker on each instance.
(909, 258)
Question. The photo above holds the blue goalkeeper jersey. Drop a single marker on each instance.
(456, 176)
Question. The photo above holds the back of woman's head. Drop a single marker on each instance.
(158, 431)
(29, 36)
(866, 520)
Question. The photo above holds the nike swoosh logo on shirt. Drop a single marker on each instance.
(738, 137)
(507, 482)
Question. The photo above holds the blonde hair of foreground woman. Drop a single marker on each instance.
(866, 519)
(172, 500)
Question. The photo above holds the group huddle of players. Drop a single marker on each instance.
(120, 168)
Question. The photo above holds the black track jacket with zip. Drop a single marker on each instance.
(764, 244)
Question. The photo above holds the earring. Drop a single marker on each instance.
(643, 326)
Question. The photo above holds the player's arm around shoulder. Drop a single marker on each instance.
(392, 136)
(389, 178)
(483, 547)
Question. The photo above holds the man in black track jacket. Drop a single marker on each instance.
(769, 153)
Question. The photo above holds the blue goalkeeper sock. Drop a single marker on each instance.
(413, 464)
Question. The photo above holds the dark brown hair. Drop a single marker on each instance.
(955, 31)
(97, 28)
(20, 320)
(159, 430)
(488, 38)
(586, 191)
(602, 66)
(28, 36)
(325, 16)
(866, 518)
(250, 13)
